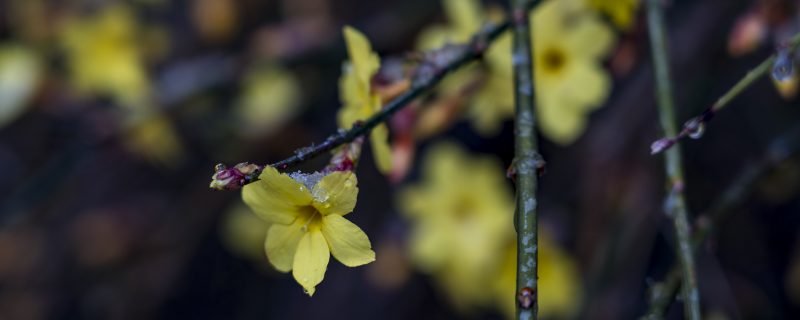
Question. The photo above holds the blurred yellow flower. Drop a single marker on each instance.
(103, 57)
(461, 217)
(20, 71)
(569, 77)
(622, 12)
(559, 288)
(466, 18)
(154, 137)
(358, 101)
(569, 44)
(307, 224)
(271, 95)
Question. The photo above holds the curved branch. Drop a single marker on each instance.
(428, 75)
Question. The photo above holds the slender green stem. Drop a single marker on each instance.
(526, 163)
(720, 211)
(763, 68)
(676, 203)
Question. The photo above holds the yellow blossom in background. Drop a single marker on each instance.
(358, 101)
(569, 45)
(215, 20)
(306, 212)
(20, 71)
(559, 288)
(570, 80)
(461, 216)
(622, 12)
(103, 57)
(154, 138)
(243, 232)
(466, 18)
(271, 95)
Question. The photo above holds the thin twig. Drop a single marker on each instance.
(428, 75)
(675, 202)
(527, 162)
(700, 122)
(720, 211)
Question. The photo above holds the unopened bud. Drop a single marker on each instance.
(661, 145)
(233, 178)
(526, 297)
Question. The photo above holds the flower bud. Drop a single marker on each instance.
(233, 178)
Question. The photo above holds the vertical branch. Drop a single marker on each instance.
(526, 155)
(675, 203)
(721, 210)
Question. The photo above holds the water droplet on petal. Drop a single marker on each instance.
(305, 291)
(348, 183)
(305, 279)
(303, 228)
(783, 68)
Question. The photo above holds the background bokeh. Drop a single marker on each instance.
(113, 114)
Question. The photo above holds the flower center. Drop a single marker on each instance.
(312, 218)
(553, 60)
(464, 210)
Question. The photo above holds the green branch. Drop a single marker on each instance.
(527, 161)
(676, 203)
(720, 211)
(427, 75)
(699, 123)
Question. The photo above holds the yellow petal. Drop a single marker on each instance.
(19, 73)
(365, 62)
(380, 148)
(466, 17)
(560, 123)
(311, 260)
(586, 86)
(347, 242)
(590, 38)
(336, 193)
(281, 244)
(276, 198)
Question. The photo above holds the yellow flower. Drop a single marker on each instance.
(154, 137)
(559, 288)
(103, 58)
(358, 101)
(461, 218)
(307, 222)
(569, 77)
(622, 12)
(20, 71)
(466, 18)
(569, 44)
(271, 95)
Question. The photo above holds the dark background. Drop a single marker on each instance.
(69, 188)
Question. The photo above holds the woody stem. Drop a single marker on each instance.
(676, 203)
(525, 154)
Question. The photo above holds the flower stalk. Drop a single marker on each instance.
(427, 75)
(720, 211)
(526, 155)
(699, 123)
(675, 203)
